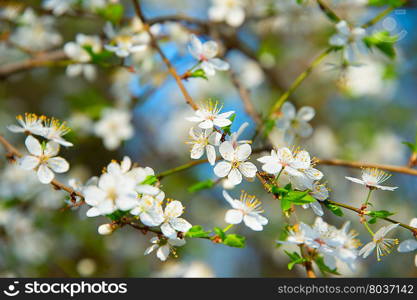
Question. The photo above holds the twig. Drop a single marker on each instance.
(359, 165)
(245, 97)
(170, 67)
(38, 61)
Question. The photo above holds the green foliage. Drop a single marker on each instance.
(150, 179)
(412, 146)
(197, 231)
(288, 196)
(378, 214)
(117, 215)
(324, 268)
(393, 3)
(383, 41)
(199, 73)
(283, 235)
(295, 258)
(219, 232)
(333, 208)
(113, 12)
(98, 58)
(201, 185)
(235, 240)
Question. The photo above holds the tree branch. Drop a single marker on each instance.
(170, 67)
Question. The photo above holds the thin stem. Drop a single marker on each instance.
(368, 228)
(284, 97)
(367, 198)
(167, 62)
(228, 227)
(378, 17)
(328, 11)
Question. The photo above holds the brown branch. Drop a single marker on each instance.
(245, 97)
(169, 65)
(40, 60)
(358, 165)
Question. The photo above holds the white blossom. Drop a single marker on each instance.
(77, 52)
(248, 209)
(281, 160)
(29, 124)
(113, 192)
(114, 127)
(205, 53)
(125, 43)
(106, 229)
(295, 123)
(410, 244)
(372, 178)
(58, 7)
(209, 116)
(382, 244)
(204, 140)
(349, 38)
(230, 11)
(164, 246)
(172, 223)
(149, 209)
(234, 164)
(43, 159)
(54, 130)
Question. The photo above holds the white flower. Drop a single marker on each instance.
(106, 229)
(125, 43)
(234, 136)
(235, 164)
(349, 38)
(205, 53)
(208, 116)
(411, 244)
(165, 247)
(383, 245)
(295, 123)
(30, 124)
(172, 223)
(54, 130)
(113, 192)
(281, 160)
(43, 159)
(204, 140)
(230, 11)
(372, 178)
(248, 209)
(320, 192)
(304, 164)
(58, 7)
(149, 209)
(114, 127)
(77, 52)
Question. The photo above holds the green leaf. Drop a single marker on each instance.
(383, 41)
(324, 268)
(333, 208)
(201, 185)
(413, 147)
(295, 259)
(380, 213)
(372, 220)
(150, 179)
(269, 124)
(235, 240)
(283, 235)
(394, 3)
(199, 73)
(98, 58)
(298, 198)
(197, 231)
(117, 215)
(112, 12)
(218, 231)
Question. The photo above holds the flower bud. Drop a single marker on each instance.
(106, 229)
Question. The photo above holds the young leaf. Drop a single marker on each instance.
(380, 213)
(206, 184)
(199, 73)
(324, 268)
(295, 259)
(218, 231)
(197, 231)
(383, 41)
(235, 240)
(150, 179)
(333, 208)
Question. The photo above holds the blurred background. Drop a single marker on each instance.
(364, 113)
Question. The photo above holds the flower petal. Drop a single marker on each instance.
(248, 169)
(45, 174)
(222, 169)
(28, 162)
(33, 146)
(233, 216)
(243, 152)
(235, 176)
(407, 246)
(58, 164)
